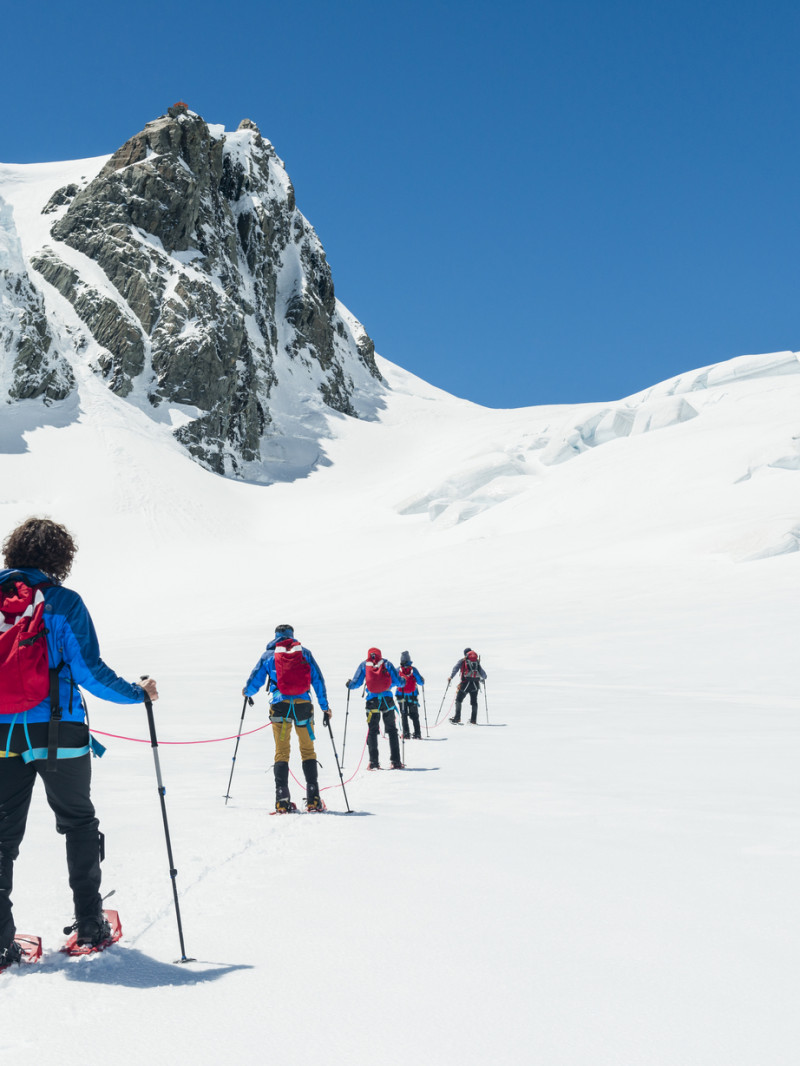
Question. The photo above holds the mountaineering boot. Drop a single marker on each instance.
(397, 765)
(85, 852)
(282, 799)
(90, 927)
(313, 802)
(413, 714)
(473, 720)
(456, 720)
(374, 766)
(10, 954)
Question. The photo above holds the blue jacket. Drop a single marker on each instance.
(361, 673)
(71, 640)
(265, 668)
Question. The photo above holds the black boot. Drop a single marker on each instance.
(313, 801)
(283, 800)
(85, 851)
(394, 746)
(10, 954)
(92, 928)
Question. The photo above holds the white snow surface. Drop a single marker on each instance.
(603, 873)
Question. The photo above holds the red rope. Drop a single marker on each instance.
(214, 740)
(302, 784)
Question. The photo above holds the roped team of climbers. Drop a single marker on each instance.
(49, 651)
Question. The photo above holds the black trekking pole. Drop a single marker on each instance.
(326, 719)
(247, 699)
(346, 716)
(173, 873)
(402, 734)
(438, 715)
(485, 701)
(425, 709)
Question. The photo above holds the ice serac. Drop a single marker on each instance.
(30, 367)
(213, 292)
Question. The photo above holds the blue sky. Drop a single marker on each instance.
(524, 203)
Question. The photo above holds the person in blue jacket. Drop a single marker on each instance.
(51, 738)
(291, 672)
(379, 677)
(408, 695)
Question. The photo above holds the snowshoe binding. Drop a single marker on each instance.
(92, 933)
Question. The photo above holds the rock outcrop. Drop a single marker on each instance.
(30, 368)
(209, 290)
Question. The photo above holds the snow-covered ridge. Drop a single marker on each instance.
(516, 454)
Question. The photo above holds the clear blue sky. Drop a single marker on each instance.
(524, 202)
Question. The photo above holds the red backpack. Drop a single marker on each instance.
(24, 665)
(292, 669)
(377, 679)
(470, 665)
(409, 681)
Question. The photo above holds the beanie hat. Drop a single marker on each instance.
(467, 651)
(405, 657)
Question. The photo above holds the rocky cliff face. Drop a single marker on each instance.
(203, 286)
(30, 367)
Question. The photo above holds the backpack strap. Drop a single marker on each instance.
(55, 721)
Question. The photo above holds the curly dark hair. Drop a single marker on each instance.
(40, 544)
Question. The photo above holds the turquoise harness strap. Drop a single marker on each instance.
(305, 722)
(61, 753)
(10, 731)
(94, 747)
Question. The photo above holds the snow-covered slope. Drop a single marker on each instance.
(604, 873)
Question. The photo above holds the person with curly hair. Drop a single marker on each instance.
(50, 738)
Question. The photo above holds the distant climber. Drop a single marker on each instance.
(291, 672)
(379, 676)
(408, 696)
(471, 674)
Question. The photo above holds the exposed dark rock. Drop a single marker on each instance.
(59, 198)
(30, 366)
(215, 285)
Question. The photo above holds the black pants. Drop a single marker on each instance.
(469, 687)
(409, 708)
(67, 792)
(377, 706)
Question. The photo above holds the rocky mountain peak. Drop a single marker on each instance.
(210, 290)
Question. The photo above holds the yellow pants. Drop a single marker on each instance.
(282, 731)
